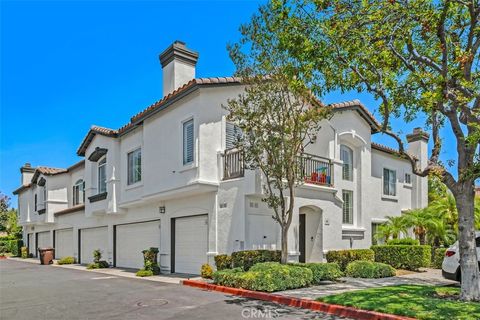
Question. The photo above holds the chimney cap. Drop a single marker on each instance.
(418, 134)
(178, 50)
(27, 167)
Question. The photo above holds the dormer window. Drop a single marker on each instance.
(79, 192)
(102, 175)
(346, 155)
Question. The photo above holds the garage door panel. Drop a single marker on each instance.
(132, 239)
(190, 244)
(92, 239)
(43, 239)
(63, 243)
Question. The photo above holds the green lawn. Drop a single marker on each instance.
(421, 302)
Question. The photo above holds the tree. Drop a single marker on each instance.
(414, 56)
(392, 228)
(4, 204)
(277, 121)
(422, 222)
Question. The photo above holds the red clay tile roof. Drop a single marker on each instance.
(386, 149)
(361, 109)
(70, 210)
(94, 130)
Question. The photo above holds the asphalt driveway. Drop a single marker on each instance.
(31, 291)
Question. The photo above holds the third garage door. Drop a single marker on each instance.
(93, 239)
(63, 243)
(132, 239)
(190, 243)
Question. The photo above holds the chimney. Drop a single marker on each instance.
(178, 66)
(27, 173)
(418, 146)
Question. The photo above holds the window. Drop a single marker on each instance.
(102, 176)
(188, 142)
(36, 202)
(233, 135)
(79, 192)
(389, 182)
(346, 155)
(347, 197)
(408, 178)
(134, 166)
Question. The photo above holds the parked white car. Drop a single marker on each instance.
(451, 261)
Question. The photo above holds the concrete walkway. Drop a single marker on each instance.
(426, 277)
(118, 272)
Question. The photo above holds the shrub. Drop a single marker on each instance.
(12, 245)
(150, 260)
(206, 271)
(223, 261)
(144, 273)
(403, 256)
(405, 242)
(344, 257)
(3, 248)
(269, 276)
(323, 271)
(66, 260)
(97, 255)
(24, 251)
(98, 265)
(369, 269)
(438, 255)
(247, 258)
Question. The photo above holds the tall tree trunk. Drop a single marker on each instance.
(284, 244)
(464, 195)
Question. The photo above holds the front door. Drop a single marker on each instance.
(301, 238)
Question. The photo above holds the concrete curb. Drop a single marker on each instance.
(338, 310)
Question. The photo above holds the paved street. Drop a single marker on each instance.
(30, 291)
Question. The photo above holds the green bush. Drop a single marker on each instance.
(4, 248)
(24, 252)
(247, 258)
(206, 271)
(322, 271)
(66, 260)
(223, 261)
(150, 260)
(269, 276)
(369, 269)
(344, 257)
(403, 256)
(7, 244)
(144, 273)
(98, 265)
(438, 255)
(405, 242)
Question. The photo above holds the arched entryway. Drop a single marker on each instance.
(310, 235)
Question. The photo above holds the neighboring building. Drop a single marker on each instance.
(170, 179)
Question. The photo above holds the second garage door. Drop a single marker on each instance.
(63, 243)
(132, 239)
(93, 239)
(190, 244)
(43, 239)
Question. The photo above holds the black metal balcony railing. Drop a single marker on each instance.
(233, 165)
(316, 170)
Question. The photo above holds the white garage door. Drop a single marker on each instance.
(190, 244)
(43, 239)
(31, 244)
(93, 239)
(132, 239)
(63, 243)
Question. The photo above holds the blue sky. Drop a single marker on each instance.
(66, 65)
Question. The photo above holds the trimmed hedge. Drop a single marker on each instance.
(438, 255)
(14, 246)
(405, 241)
(223, 261)
(66, 260)
(369, 269)
(247, 258)
(344, 257)
(322, 271)
(403, 256)
(269, 277)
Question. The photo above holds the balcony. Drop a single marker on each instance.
(233, 165)
(316, 170)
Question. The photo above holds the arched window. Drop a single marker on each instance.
(79, 192)
(346, 155)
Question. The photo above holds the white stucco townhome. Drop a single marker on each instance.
(170, 179)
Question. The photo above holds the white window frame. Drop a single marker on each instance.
(79, 187)
(102, 166)
(237, 134)
(184, 156)
(131, 180)
(350, 153)
(408, 183)
(383, 183)
(350, 221)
